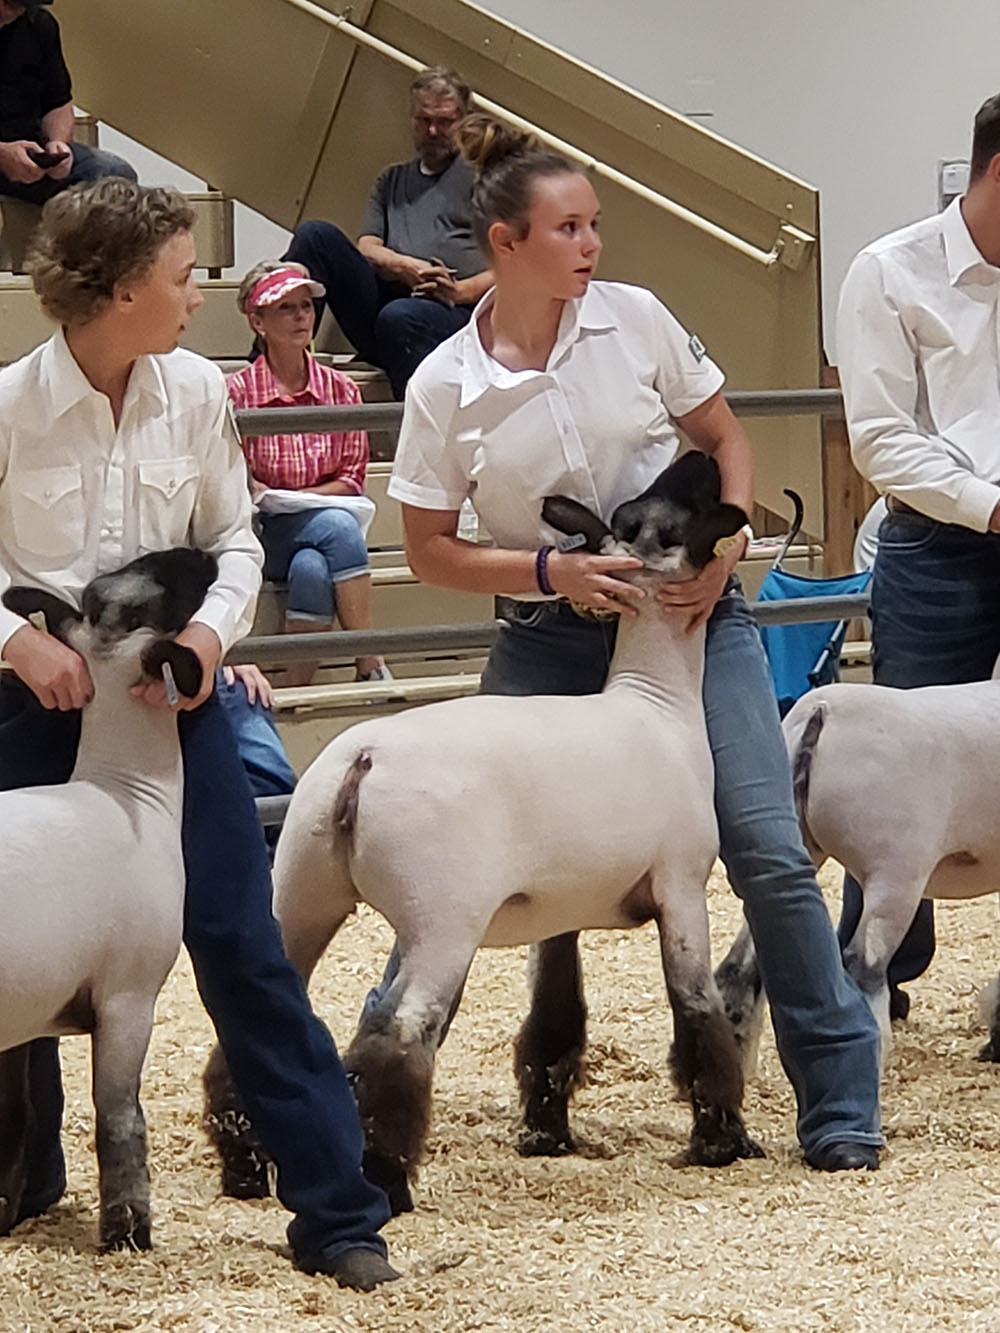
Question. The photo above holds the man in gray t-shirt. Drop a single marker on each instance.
(416, 272)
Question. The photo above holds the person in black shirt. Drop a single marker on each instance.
(416, 272)
(38, 157)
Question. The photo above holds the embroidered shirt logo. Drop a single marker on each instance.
(697, 347)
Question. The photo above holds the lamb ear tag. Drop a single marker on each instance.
(571, 543)
(173, 696)
(37, 620)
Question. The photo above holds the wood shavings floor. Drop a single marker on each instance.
(620, 1237)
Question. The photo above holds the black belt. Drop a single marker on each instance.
(895, 506)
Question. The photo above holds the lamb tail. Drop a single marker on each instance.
(802, 772)
(345, 806)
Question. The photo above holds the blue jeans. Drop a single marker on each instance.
(259, 746)
(826, 1036)
(89, 164)
(314, 549)
(283, 1060)
(935, 621)
(381, 320)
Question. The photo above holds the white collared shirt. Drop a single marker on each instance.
(80, 496)
(917, 341)
(596, 424)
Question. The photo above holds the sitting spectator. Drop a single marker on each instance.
(309, 538)
(37, 154)
(416, 272)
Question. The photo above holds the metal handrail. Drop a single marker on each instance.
(269, 650)
(767, 258)
(387, 416)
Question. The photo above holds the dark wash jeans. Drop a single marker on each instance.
(381, 321)
(282, 1058)
(935, 621)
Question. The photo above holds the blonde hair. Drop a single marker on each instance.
(96, 235)
(507, 162)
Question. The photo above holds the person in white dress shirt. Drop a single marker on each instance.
(560, 384)
(918, 341)
(114, 442)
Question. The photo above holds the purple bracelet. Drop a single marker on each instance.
(542, 570)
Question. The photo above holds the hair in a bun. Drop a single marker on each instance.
(507, 162)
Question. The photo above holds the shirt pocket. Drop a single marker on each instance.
(166, 493)
(48, 512)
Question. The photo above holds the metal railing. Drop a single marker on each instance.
(767, 258)
(387, 416)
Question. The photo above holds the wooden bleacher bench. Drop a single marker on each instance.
(343, 696)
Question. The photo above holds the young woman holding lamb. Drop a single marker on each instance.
(319, 549)
(114, 443)
(563, 385)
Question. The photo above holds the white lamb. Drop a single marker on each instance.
(92, 880)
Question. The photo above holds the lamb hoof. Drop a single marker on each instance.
(390, 1177)
(245, 1178)
(542, 1143)
(990, 1053)
(121, 1231)
(720, 1139)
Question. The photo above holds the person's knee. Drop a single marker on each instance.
(310, 590)
(316, 235)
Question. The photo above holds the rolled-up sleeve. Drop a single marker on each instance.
(880, 376)
(222, 524)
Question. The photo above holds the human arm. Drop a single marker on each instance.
(879, 357)
(449, 290)
(54, 672)
(437, 555)
(58, 126)
(15, 163)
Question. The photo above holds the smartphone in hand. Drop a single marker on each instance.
(45, 160)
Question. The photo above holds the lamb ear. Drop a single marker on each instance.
(693, 480)
(59, 615)
(704, 530)
(184, 663)
(575, 519)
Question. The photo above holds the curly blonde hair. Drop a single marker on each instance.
(96, 235)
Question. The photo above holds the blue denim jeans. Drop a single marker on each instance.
(282, 1058)
(826, 1036)
(381, 320)
(313, 549)
(89, 164)
(935, 621)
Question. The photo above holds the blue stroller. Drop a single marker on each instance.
(802, 657)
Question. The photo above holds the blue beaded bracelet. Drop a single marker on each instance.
(542, 570)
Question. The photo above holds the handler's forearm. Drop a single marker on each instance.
(59, 124)
(450, 562)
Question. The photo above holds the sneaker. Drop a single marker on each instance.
(377, 673)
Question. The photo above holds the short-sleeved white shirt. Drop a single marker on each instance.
(595, 425)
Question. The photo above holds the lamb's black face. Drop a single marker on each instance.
(158, 592)
(654, 529)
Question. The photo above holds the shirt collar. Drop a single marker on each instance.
(961, 252)
(267, 389)
(67, 385)
(480, 371)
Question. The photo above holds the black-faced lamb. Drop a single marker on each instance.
(501, 821)
(91, 877)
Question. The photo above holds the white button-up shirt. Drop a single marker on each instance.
(80, 496)
(596, 424)
(917, 341)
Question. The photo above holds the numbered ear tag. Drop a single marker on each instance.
(571, 543)
(38, 621)
(173, 695)
(725, 544)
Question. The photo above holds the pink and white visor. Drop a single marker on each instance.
(278, 283)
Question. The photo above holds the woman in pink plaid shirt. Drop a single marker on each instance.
(319, 549)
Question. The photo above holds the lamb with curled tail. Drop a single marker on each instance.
(92, 879)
